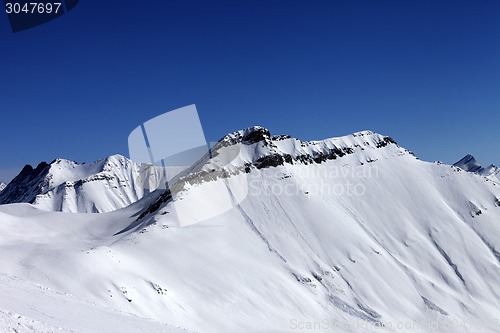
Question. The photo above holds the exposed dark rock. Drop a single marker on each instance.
(385, 142)
(258, 134)
(280, 137)
(163, 198)
(18, 190)
(269, 161)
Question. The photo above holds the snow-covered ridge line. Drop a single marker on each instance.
(64, 185)
(258, 149)
(470, 164)
(116, 182)
(255, 148)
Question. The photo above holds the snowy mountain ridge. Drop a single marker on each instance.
(469, 163)
(299, 151)
(116, 182)
(67, 186)
(254, 148)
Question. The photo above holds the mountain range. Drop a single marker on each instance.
(66, 186)
(264, 234)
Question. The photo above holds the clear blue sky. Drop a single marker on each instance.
(424, 72)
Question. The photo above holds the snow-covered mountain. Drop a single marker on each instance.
(469, 163)
(350, 234)
(102, 186)
(2, 186)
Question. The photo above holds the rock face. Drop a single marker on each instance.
(24, 186)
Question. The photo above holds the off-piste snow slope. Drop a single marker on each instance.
(350, 234)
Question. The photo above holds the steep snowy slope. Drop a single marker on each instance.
(469, 163)
(352, 234)
(2, 186)
(67, 186)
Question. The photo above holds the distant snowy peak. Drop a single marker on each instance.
(23, 186)
(63, 185)
(2, 186)
(469, 163)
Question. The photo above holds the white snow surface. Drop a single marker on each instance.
(48, 311)
(371, 241)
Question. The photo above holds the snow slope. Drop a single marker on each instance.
(50, 311)
(2, 186)
(102, 186)
(352, 234)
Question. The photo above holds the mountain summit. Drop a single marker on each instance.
(469, 163)
(67, 186)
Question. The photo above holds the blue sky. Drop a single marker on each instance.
(426, 73)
